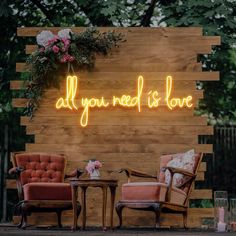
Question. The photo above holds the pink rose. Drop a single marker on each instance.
(55, 49)
(67, 58)
(53, 40)
(97, 164)
(42, 49)
(70, 59)
(66, 42)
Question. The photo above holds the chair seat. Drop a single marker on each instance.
(151, 191)
(144, 191)
(47, 191)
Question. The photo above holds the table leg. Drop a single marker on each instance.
(74, 189)
(83, 201)
(113, 194)
(104, 206)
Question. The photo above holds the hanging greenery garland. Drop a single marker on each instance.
(63, 53)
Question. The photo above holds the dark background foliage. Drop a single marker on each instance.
(217, 17)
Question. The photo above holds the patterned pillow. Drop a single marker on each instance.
(183, 161)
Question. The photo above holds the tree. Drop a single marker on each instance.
(217, 18)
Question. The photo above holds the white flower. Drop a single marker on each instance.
(65, 33)
(43, 37)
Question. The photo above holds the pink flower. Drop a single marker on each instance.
(97, 164)
(67, 58)
(42, 49)
(92, 165)
(53, 40)
(55, 49)
(66, 42)
(70, 59)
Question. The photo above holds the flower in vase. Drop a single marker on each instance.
(93, 165)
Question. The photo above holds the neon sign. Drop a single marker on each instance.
(153, 99)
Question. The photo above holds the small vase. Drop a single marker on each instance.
(95, 174)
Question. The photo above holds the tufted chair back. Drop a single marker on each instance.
(40, 167)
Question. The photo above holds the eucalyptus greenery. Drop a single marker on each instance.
(48, 65)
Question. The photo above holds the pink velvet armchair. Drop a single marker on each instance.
(169, 192)
(40, 184)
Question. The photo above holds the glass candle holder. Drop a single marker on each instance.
(233, 214)
(220, 194)
(221, 211)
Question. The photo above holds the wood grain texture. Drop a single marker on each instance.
(124, 137)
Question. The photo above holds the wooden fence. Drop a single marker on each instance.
(224, 159)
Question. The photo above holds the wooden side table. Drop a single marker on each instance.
(104, 184)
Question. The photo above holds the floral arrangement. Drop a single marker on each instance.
(93, 165)
(64, 53)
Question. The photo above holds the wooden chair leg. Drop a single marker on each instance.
(18, 211)
(157, 209)
(59, 218)
(24, 218)
(157, 212)
(78, 210)
(185, 219)
(119, 208)
(21, 221)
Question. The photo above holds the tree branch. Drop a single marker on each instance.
(46, 12)
(97, 19)
(148, 14)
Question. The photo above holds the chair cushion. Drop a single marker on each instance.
(41, 167)
(184, 161)
(149, 191)
(47, 191)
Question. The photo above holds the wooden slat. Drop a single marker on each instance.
(135, 66)
(125, 130)
(201, 194)
(137, 148)
(182, 76)
(118, 87)
(151, 48)
(104, 139)
(164, 31)
(99, 119)
(11, 184)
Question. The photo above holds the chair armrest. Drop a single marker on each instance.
(174, 170)
(75, 173)
(130, 172)
(16, 170)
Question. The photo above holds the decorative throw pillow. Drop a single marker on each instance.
(183, 161)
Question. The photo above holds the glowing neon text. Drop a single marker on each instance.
(153, 99)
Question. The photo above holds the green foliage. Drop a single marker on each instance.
(201, 203)
(78, 52)
(217, 18)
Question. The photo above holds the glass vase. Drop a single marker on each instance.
(221, 211)
(233, 214)
(95, 174)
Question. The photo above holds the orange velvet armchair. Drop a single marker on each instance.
(169, 192)
(40, 184)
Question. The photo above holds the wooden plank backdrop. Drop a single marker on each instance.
(121, 137)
